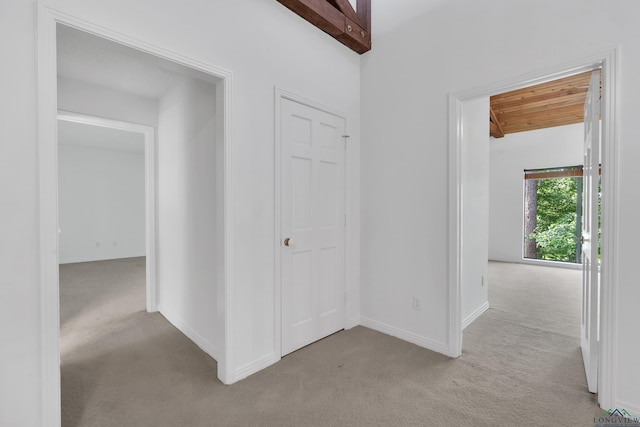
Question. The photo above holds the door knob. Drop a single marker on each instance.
(288, 241)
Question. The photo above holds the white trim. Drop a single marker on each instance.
(227, 362)
(198, 339)
(47, 157)
(455, 227)
(473, 316)
(547, 263)
(277, 226)
(353, 322)
(48, 189)
(257, 365)
(150, 193)
(279, 95)
(609, 61)
(633, 409)
(607, 375)
(411, 337)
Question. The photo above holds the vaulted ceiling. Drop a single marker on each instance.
(555, 103)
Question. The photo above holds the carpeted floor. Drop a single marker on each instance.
(521, 364)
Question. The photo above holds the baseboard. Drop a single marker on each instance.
(352, 323)
(100, 258)
(473, 316)
(198, 339)
(257, 365)
(406, 336)
(632, 409)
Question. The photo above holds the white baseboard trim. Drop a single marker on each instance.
(257, 365)
(352, 323)
(198, 339)
(406, 336)
(473, 316)
(633, 409)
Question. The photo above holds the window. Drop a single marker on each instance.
(553, 214)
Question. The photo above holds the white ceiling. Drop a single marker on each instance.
(90, 136)
(91, 59)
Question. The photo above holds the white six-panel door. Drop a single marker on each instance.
(590, 262)
(312, 191)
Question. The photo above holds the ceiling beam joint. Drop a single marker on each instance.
(338, 19)
(494, 125)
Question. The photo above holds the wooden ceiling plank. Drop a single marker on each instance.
(541, 106)
(520, 94)
(554, 103)
(576, 81)
(506, 103)
(544, 114)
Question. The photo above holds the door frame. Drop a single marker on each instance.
(281, 94)
(149, 189)
(47, 19)
(608, 61)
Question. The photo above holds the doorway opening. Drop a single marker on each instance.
(458, 231)
(192, 135)
(103, 219)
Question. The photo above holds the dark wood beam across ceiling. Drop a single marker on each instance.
(338, 19)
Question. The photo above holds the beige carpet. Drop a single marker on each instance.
(521, 364)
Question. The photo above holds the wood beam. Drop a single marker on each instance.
(364, 13)
(330, 19)
(347, 10)
(495, 129)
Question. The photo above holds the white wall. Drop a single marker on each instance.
(19, 228)
(99, 101)
(406, 79)
(187, 238)
(475, 209)
(101, 200)
(510, 156)
(252, 38)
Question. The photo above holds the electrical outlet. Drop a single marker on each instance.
(416, 303)
(97, 244)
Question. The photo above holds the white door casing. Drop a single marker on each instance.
(590, 262)
(312, 216)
